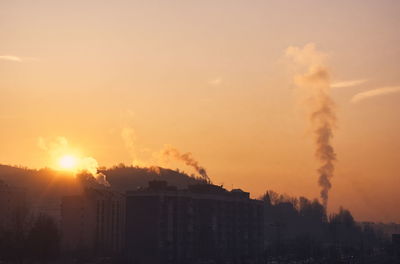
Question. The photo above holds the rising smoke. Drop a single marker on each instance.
(187, 158)
(59, 146)
(315, 83)
(90, 165)
(155, 169)
(128, 136)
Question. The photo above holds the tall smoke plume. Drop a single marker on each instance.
(187, 158)
(315, 83)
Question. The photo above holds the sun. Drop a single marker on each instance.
(67, 162)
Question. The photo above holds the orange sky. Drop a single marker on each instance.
(207, 77)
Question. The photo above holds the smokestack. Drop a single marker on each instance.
(187, 158)
(316, 84)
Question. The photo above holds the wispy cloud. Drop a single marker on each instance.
(215, 82)
(10, 58)
(13, 58)
(349, 83)
(375, 92)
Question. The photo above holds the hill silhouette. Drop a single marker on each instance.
(45, 187)
(124, 178)
(121, 178)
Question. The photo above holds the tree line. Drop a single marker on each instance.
(29, 238)
(300, 229)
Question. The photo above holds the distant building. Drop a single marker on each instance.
(396, 243)
(13, 205)
(202, 223)
(93, 222)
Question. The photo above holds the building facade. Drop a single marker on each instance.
(93, 222)
(396, 245)
(199, 224)
(13, 205)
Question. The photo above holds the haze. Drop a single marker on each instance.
(121, 79)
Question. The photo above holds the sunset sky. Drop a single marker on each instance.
(121, 79)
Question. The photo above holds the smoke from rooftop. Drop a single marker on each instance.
(57, 147)
(187, 158)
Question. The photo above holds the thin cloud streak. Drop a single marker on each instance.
(13, 58)
(350, 83)
(10, 58)
(375, 92)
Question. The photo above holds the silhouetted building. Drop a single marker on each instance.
(93, 222)
(396, 244)
(204, 222)
(13, 204)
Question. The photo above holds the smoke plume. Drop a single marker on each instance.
(187, 158)
(90, 165)
(155, 169)
(129, 137)
(315, 82)
(59, 146)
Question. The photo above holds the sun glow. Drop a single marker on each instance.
(68, 162)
